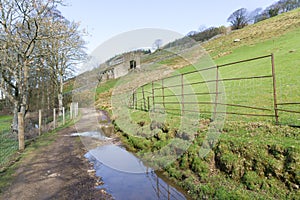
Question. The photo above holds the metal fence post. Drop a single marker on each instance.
(133, 98)
(217, 91)
(144, 100)
(148, 98)
(136, 100)
(274, 89)
(182, 93)
(153, 103)
(163, 92)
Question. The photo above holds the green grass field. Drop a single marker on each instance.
(282, 40)
(253, 158)
(8, 142)
(286, 49)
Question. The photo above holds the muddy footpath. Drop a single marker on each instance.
(56, 171)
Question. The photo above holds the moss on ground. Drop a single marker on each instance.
(242, 165)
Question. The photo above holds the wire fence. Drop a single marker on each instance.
(46, 120)
(250, 95)
(34, 125)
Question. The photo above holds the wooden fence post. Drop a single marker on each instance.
(40, 122)
(76, 109)
(54, 118)
(71, 111)
(64, 118)
(21, 128)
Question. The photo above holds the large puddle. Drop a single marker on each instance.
(123, 174)
(126, 177)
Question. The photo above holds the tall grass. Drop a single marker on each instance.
(8, 141)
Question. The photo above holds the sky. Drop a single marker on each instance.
(117, 26)
(105, 19)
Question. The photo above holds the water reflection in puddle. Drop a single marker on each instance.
(118, 158)
(125, 176)
(92, 134)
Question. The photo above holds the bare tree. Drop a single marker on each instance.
(20, 24)
(37, 48)
(288, 5)
(277, 8)
(66, 50)
(273, 10)
(202, 28)
(255, 15)
(157, 44)
(191, 33)
(239, 19)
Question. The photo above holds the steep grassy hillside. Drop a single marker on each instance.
(265, 30)
(253, 158)
(286, 49)
(223, 45)
(278, 35)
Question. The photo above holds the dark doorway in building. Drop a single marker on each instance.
(132, 64)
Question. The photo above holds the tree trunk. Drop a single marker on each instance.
(23, 108)
(15, 119)
(60, 96)
(21, 135)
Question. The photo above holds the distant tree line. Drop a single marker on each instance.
(277, 8)
(200, 36)
(238, 19)
(241, 17)
(207, 33)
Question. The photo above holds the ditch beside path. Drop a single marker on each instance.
(56, 171)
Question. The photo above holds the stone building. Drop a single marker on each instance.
(120, 65)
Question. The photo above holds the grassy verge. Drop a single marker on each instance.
(103, 94)
(249, 161)
(10, 164)
(8, 142)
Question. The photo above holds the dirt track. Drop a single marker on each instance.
(56, 171)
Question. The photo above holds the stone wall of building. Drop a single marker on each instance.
(120, 70)
(121, 65)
